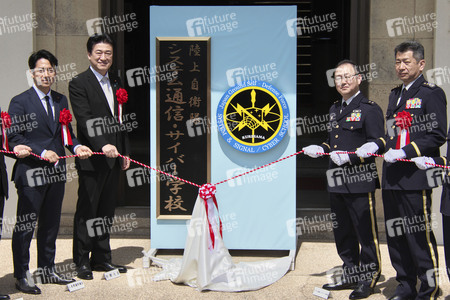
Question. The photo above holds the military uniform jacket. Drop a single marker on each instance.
(440, 175)
(427, 105)
(360, 122)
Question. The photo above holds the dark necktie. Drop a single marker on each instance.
(402, 93)
(344, 105)
(49, 109)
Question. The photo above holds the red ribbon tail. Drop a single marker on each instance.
(218, 215)
(65, 129)
(69, 138)
(211, 232)
(5, 140)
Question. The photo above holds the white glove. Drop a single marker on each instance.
(369, 147)
(392, 155)
(421, 162)
(313, 150)
(339, 159)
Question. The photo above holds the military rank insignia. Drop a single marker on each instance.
(413, 103)
(354, 117)
(253, 116)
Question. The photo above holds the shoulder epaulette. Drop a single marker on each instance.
(429, 84)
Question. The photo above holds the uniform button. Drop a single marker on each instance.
(337, 126)
(336, 136)
(393, 126)
(412, 115)
(395, 115)
(351, 127)
(392, 137)
(335, 146)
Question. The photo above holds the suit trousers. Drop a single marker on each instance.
(446, 233)
(40, 204)
(411, 242)
(356, 225)
(97, 197)
(2, 206)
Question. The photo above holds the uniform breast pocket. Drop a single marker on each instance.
(353, 126)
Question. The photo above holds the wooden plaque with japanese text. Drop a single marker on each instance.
(182, 76)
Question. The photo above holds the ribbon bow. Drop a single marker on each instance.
(403, 120)
(6, 123)
(122, 97)
(206, 192)
(65, 118)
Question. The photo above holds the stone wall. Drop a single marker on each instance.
(62, 30)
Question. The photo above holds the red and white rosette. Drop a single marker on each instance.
(122, 97)
(65, 118)
(6, 123)
(206, 192)
(403, 120)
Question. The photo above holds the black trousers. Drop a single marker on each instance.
(2, 206)
(356, 225)
(411, 242)
(97, 197)
(40, 204)
(446, 233)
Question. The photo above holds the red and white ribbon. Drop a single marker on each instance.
(206, 192)
(65, 118)
(122, 97)
(6, 123)
(403, 121)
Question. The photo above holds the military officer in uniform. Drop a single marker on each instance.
(413, 106)
(435, 179)
(352, 181)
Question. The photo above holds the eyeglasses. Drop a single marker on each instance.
(347, 78)
(42, 70)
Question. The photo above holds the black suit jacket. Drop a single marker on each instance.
(96, 126)
(31, 126)
(427, 133)
(360, 122)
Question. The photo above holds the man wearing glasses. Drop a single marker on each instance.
(353, 121)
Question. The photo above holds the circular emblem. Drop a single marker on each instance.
(253, 116)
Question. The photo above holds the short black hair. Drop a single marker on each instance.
(347, 61)
(35, 56)
(414, 46)
(97, 39)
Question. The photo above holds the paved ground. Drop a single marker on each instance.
(312, 262)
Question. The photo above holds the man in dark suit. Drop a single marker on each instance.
(21, 151)
(352, 181)
(40, 183)
(94, 102)
(413, 106)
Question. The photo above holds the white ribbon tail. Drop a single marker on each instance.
(64, 131)
(120, 113)
(403, 138)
